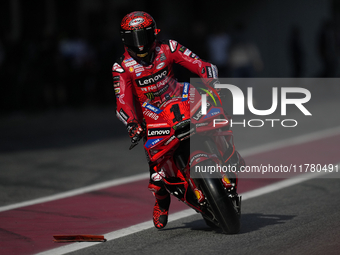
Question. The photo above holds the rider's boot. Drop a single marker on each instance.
(161, 208)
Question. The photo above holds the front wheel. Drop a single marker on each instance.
(224, 207)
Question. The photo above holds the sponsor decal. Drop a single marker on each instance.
(158, 132)
(170, 140)
(187, 52)
(120, 118)
(173, 45)
(138, 74)
(209, 72)
(203, 70)
(202, 124)
(116, 84)
(116, 78)
(152, 95)
(212, 112)
(162, 57)
(185, 91)
(131, 69)
(197, 156)
(152, 142)
(151, 108)
(131, 63)
(158, 176)
(139, 70)
(124, 115)
(193, 55)
(127, 60)
(199, 195)
(163, 82)
(181, 124)
(165, 104)
(152, 79)
(215, 71)
(136, 21)
(182, 49)
(117, 68)
(121, 99)
(149, 95)
(192, 95)
(159, 66)
(150, 114)
(155, 125)
(117, 90)
(158, 49)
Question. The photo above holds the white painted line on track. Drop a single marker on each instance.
(182, 214)
(79, 191)
(248, 152)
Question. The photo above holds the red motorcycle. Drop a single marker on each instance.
(180, 140)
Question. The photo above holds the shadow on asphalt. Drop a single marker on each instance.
(249, 222)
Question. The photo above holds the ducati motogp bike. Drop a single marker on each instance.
(188, 148)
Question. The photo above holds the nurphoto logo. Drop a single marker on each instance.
(239, 105)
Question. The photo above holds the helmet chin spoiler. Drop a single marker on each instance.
(145, 56)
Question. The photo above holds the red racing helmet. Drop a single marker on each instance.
(138, 32)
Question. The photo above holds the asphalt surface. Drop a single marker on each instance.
(302, 219)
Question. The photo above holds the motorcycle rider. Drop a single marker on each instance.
(144, 65)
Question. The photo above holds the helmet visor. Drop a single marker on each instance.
(140, 37)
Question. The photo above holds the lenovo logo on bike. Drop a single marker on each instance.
(152, 79)
(239, 106)
(158, 131)
(198, 114)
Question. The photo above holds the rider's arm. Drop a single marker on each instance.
(186, 58)
(125, 109)
(123, 88)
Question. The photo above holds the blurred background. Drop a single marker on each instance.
(57, 54)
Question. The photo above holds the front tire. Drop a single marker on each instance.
(222, 205)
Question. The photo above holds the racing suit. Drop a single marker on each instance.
(135, 83)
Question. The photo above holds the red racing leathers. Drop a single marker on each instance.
(134, 83)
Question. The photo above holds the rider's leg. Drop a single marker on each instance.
(161, 208)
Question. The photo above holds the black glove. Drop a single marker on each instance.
(135, 131)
